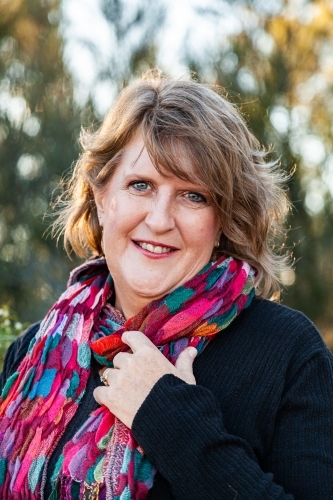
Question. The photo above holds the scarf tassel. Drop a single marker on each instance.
(63, 490)
(90, 491)
(54, 493)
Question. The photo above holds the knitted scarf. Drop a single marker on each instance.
(102, 460)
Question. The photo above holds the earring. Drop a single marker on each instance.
(216, 244)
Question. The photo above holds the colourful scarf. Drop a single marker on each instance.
(102, 460)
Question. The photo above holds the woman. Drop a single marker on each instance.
(180, 213)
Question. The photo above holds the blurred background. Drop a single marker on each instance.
(63, 63)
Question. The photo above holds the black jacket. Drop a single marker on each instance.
(258, 424)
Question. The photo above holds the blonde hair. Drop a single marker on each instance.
(191, 130)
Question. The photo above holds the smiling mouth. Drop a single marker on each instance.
(152, 248)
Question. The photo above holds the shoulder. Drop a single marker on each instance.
(293, 335)
(16, 352)
(278, 323)
(270, 312)
(268, 333)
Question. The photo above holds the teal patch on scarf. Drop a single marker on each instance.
(84, 355)
(113, 326)
(103, 361)
(32, 343)
(143, 469)
(126, 460)
(75, 490)
(55, 341)
(205, 269)
(90, 478)
(34, 472)
(212, 277)
(80, 396)
(46, 349)
(227, 317)
(3, 470)
(126, 494)
(54, 495)
(57, 467)
(26, 388)
(9, 384)
(74, 384)
(176, 299)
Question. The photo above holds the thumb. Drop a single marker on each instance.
(184, 364)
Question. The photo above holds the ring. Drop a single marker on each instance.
(104, 378)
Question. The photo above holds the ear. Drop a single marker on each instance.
(99, 201)
(218, 237)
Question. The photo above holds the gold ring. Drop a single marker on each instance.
(104, 378)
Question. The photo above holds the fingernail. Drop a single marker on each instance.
(192, 352)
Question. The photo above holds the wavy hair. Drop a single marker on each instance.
(191, 130)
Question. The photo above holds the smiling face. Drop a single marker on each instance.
(158, 231)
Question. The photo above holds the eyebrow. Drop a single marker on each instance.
(191, 187)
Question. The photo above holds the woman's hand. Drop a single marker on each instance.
(134, 375)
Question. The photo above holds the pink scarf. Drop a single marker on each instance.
(102, 460)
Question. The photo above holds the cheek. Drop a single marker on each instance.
(208, 228)
(118, 220)
(201, 237)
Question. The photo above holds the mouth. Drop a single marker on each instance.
(154, 248)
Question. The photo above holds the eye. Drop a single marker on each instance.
(196, 197)
(140, 185)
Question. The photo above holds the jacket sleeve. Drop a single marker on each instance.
(301, 453)
(181, 429)
(16, 353)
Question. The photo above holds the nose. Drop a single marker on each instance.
(160, 217)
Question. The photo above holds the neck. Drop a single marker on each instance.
(130, 306)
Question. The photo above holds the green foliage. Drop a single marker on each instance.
(10, 328)
(39, 125)
(39, 129)
(277, 70)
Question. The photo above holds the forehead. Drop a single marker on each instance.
(135, 155)
(169, 160)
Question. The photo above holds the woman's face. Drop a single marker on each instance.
(158, 231)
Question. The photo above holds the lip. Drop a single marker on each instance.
(154, 255)
(155, 244)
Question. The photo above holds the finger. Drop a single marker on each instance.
(185, 360)
(105, 376)
(136, 339)
(120, 359)
(100, 394)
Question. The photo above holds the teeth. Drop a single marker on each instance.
(151, 248)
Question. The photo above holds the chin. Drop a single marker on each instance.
(153, 294)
